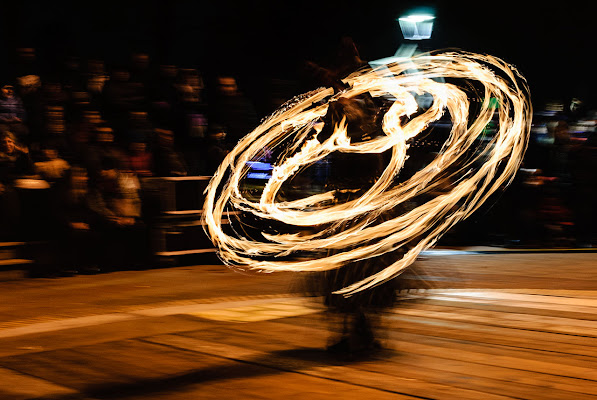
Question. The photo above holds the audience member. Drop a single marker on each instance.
(14, 159)
(26, 62)
(52, 168)
(139, 160)
(28, 89)
(216, 149)
(103, 151)
(230, 108)
(12, 113)
(583, 160)
(138, 129)
(140, 68)
(79, 141)
(55, 127)
(71, 76)
(108, 124)
(96, 78)
(163, 95)
(78, 243)
(115, 201)
(14, 163)
(121, 96)
(167, 161)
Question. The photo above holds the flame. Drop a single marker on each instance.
(298, 123)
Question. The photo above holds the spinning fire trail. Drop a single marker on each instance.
(317, 217)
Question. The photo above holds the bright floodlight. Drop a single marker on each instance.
(416, 26)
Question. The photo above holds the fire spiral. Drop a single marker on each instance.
(469, 166)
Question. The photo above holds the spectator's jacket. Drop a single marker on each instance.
(167, 162)
(140, 164)
(120, 199)
(14, 165)
(11, 107)
(52, 170)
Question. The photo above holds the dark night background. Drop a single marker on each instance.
(552, 43)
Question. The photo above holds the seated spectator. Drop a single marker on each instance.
(231, 108)
(163, 95)
(139, 160)
(28, 91)
(52, 168)
(96, 78)
(139, 128)
(77, 242)
(167, 161)
(81, 100)
(140, 68)
(190, 85)
(121, 96)
(79, 139)
(55, 127)
(116, 205)
(53, 94)
(26, 62)
(216, 149)
(14, 163)
(12, 113)
(14, 159)
(103, 150)
(71, 75)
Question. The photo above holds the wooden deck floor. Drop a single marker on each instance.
(437, 344)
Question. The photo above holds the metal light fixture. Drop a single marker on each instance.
(416, 26)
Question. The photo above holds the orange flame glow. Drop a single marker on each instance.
(494, 166)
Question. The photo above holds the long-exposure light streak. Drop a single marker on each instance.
(295, 127)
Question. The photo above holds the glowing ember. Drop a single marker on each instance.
(316, 218)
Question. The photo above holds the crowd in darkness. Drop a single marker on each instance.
(90, 135)
(93, 135)
(551, 201)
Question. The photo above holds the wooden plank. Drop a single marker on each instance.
(505, 383)
(61, 367)
(87, 335)
(565, 312)
(579, 294)
(444, 357)
(20, 386)
(144, 360)
(14, 262)
(482, 357)
(11, 244)
(493, 380)
(508, 313)
(215, 373)
(324, 370)
(280, 336)
(575, 379)
(504, 303)
(564, 362)
(184, 252)
(511, 320)
(184, 178)
(501, 336)
(535, 298)
(508, 388)
(550, 337)
(183, 212)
